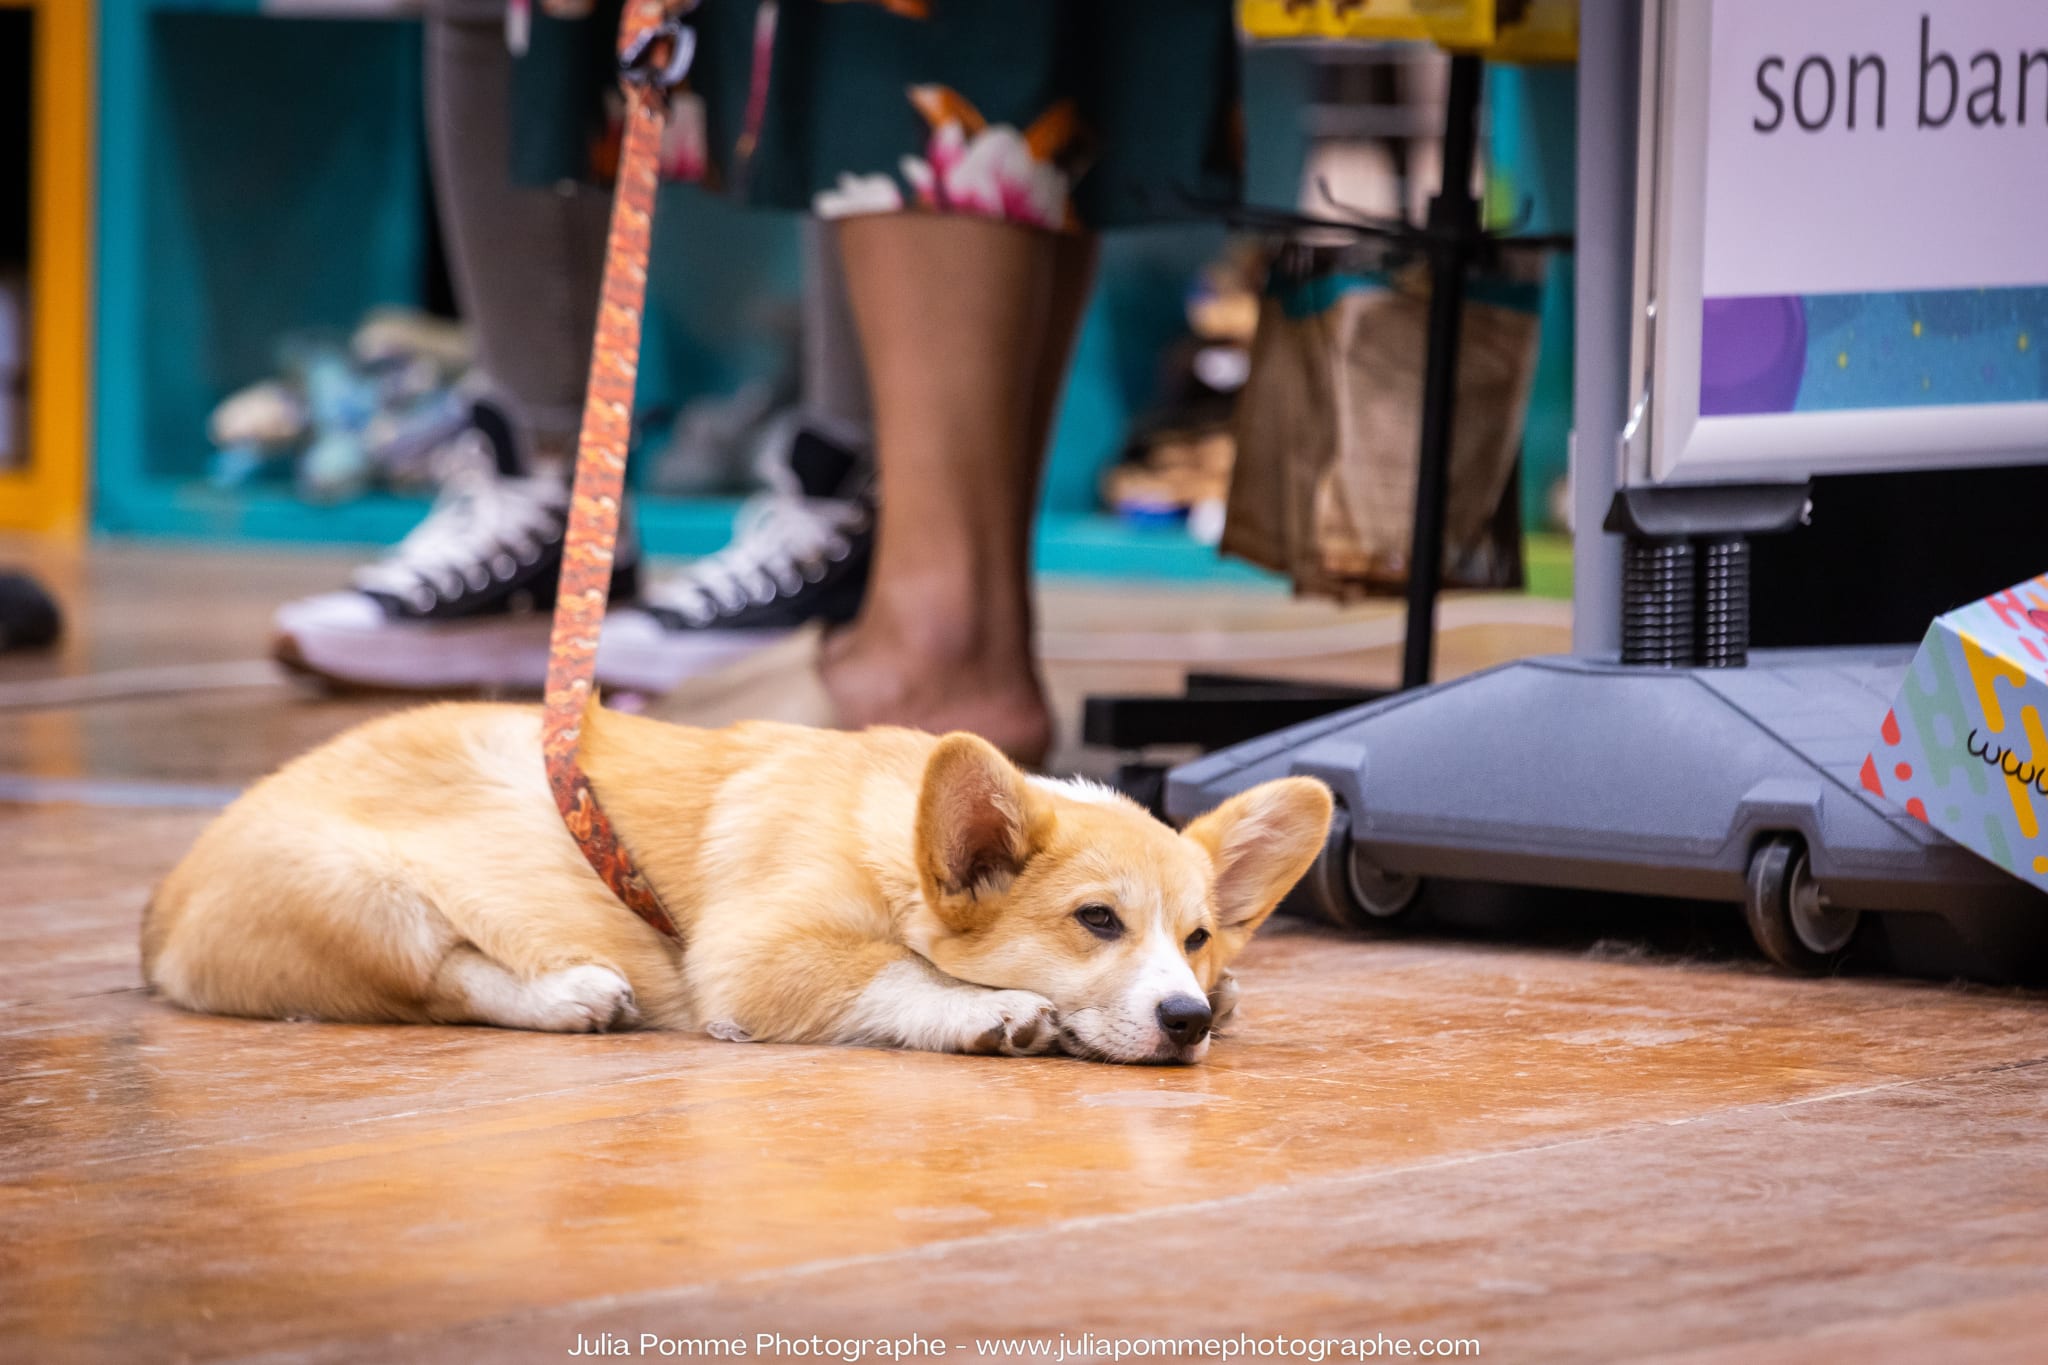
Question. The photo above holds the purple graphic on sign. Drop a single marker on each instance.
(1752, 355)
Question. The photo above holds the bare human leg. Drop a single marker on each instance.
(966, 326)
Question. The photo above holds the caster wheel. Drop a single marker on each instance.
(1345, 889)
(1381, 895)
(1789, 916)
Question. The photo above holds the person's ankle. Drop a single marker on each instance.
(938, 681)
(977, 638)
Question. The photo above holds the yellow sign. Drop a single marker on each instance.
(1504, 30)
(48, 493)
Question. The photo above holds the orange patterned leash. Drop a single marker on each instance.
(654, 53)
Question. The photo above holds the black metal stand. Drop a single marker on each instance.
(1209, 716)
(1221, 708)
(1454, 239)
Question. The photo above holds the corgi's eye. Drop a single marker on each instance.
(1196, 940)
(1100, 921)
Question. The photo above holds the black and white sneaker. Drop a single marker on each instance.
(799, 554)
(464, 601)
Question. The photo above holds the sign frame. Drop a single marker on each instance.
(1668, 440)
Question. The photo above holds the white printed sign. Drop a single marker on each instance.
(1869, 146)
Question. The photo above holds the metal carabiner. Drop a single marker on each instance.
(635, 68)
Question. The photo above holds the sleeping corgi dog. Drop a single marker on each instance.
(887, 888)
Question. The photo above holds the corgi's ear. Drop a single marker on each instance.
(975, 820)
(1261, 842)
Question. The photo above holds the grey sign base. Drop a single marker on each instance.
(1709, 784)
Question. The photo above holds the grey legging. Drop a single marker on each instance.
(526, 260)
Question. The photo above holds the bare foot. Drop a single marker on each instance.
(937, 685)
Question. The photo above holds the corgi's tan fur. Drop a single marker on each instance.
(886, 887)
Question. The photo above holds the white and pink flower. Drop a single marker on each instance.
(991, 174)
(857, 194)
(971, 167)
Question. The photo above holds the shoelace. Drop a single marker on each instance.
(481, 527)
(779, 544)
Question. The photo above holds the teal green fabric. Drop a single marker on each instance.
(1058, 113)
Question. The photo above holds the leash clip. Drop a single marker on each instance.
(636, 62)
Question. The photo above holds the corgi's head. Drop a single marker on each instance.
(1078, 894)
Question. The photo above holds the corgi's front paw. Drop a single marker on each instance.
(1021, 1024)
(586, 999)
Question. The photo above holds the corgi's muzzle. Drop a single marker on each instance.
(1177, 1032)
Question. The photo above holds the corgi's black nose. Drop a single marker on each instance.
(1185, 1018)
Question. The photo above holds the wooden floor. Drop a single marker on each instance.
(1563, 1154)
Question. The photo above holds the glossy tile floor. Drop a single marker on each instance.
(1577, 1153)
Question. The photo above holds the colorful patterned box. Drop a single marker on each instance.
(1963, 745)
